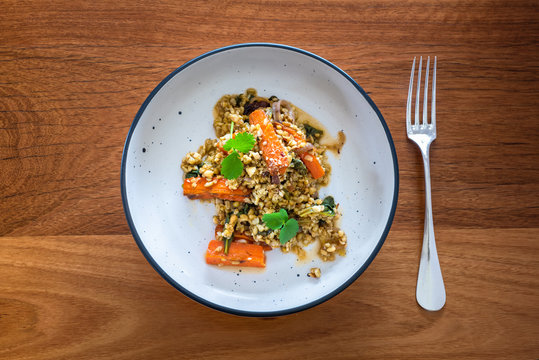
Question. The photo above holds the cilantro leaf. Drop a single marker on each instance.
(283, 214)
(228, 145)
(243, 142)
(289, 230)
(279, 220)
(274, 220)
(232, 167)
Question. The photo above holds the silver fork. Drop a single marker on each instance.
(430, 291)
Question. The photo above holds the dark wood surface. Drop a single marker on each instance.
(73, 284)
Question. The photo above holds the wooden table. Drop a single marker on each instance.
(73, 284)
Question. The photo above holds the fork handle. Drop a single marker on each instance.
(430, 290)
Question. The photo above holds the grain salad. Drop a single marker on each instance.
(264, 171)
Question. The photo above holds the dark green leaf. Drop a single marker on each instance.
(299, 165)
(274, 220)
(232, 167)
(265, 232)
(244, 142)
(239, 100)
(245, 209)
(312, 131)
(284, 214)
(289, 230)
(329, 205)
(228, 145)
(192, 173)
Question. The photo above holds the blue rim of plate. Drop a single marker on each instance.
(225, 309)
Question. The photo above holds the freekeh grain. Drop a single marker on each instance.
(297, 190)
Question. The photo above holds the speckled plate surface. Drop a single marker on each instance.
(173, 232)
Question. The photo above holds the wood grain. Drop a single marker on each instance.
(88, 297)
(72, 77)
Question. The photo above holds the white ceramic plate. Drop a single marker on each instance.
(173, 232)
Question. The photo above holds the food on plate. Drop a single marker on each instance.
(272, 147)
(264, 171)
(240, 254)
(315, 273)
(203, 189)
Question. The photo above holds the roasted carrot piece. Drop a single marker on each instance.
(297, 135)
(239, 254)
(242, 236)
(274, 152)
(195, 188)
(312, 164)
(309, 157)
(222, 191)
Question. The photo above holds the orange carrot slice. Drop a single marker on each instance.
(312, 164)
(195, 188)
(274, 152)
(239, 254)
(297, 135)
(242, 236)
(309, 157)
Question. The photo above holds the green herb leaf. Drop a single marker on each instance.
(192, 173)
(329, 205)
(274, 220)
(312, 131)
(243, 142)
(245, 209)
(283, 214)
(279, 220)
(228, 145)
(299, 165)
(232, 167)
(289, 230)
(328, 208)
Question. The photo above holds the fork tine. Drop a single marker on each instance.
(416, 121)
(433, 105)
(409, 102)
(425, 93)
